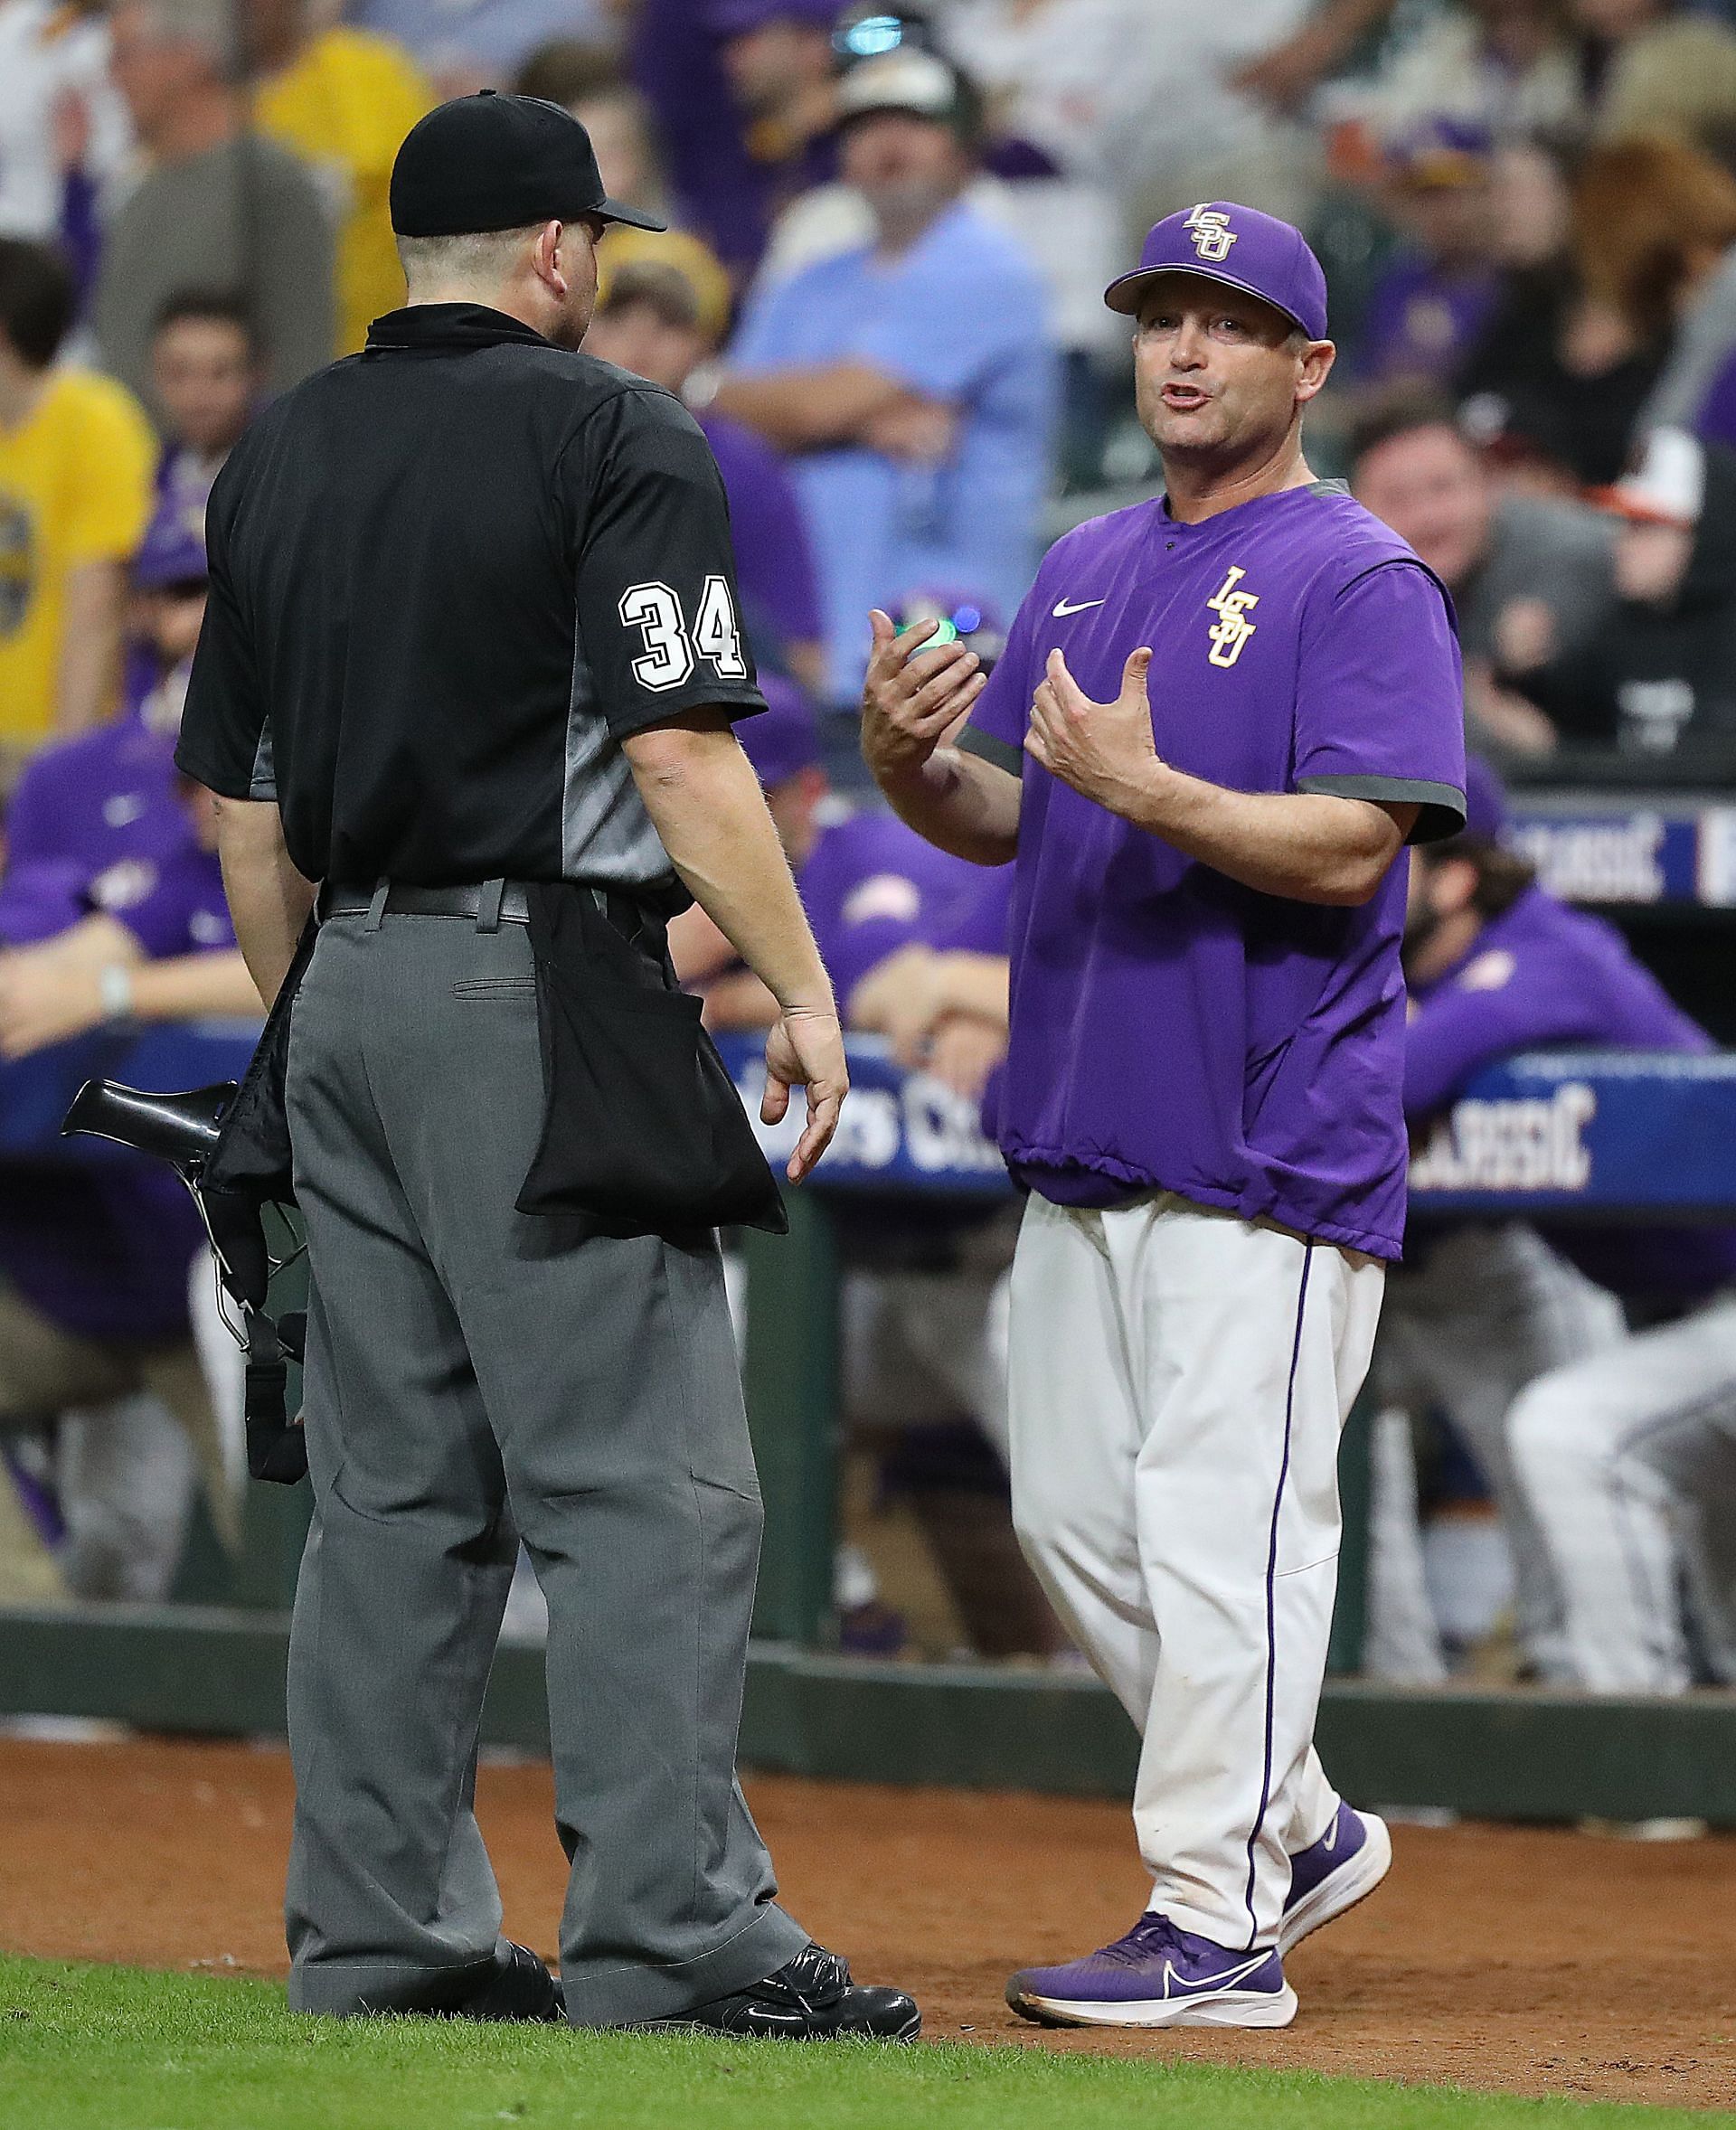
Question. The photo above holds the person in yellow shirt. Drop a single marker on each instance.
(76, 461)
(343, 99)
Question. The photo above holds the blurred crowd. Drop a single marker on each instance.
(880, 296)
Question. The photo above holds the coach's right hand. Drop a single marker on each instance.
(912, 695)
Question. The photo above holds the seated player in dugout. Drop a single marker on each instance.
(112, 913)
(914, 938)
(662, 314)
(915, 941)
(1495, 966)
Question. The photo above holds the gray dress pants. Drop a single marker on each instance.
(475, 1373)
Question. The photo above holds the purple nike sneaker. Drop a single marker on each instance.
(1333, 1874)
(1157, 1975)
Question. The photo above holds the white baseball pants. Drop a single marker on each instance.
(1629, 1462)
(1177, 1381)
(1473, 1318)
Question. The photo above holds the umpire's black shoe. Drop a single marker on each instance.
(810, 1998)
(521, 1987)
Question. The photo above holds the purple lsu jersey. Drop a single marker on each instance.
(1542, 976)
(1173, 1030)
(96, 825)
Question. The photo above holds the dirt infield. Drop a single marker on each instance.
(1526, 1962)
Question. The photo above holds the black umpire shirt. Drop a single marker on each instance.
(448, 576)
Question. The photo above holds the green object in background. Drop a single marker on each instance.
(791, 1381)
(114, 2048)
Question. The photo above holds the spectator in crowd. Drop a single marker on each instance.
(1656, 679)
(342, 99)
(1557, 378)
(1532, 576)
(1660, 69)
(54, 91)
(742, 93)
(662, 320)
(1656, 240)
(217, 205)
(1214, 125)
(911, 381)
(483, 44)
(587, 81)
(1497, 966)
(1068, 84)
(112, 911)
(1436, 294)
(1507, 68)
(207, 375)
(76, 456)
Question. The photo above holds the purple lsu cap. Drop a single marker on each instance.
(783, 739)
(1239, 247)
(173, 550)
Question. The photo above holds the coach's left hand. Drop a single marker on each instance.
(1103, 749)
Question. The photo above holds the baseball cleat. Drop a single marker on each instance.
(1333, 1874)
(810, 1998)
(1157, 1975)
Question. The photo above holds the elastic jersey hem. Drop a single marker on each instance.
(1023, 1161)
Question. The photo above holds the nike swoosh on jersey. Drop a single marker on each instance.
(1063, 607)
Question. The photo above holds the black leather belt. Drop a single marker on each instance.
(487, 902)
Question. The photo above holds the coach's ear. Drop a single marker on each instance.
(1314, 366)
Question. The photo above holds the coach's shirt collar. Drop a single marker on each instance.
(448, 327)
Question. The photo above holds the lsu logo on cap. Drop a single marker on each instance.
(1212, 235)
(1231, 630)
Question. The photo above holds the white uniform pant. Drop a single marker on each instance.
(1178, 1379)
(1628, 1463)
(1475, 1315)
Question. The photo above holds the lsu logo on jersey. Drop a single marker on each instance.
(1212, 235)
(1229, 633)
(17, 564)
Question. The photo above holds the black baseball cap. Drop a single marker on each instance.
(492, 162)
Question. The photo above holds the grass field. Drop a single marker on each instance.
(115, 2048)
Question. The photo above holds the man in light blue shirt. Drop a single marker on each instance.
(913, 381)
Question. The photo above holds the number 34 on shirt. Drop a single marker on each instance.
(671, 648)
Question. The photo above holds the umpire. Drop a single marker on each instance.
(471, 662)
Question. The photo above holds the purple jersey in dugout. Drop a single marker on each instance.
(872, 886)
(1542, 976)
(95, 824)
(1171, 1029)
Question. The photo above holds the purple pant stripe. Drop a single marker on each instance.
(1271, 1591)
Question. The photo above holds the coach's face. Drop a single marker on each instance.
(1219, 376)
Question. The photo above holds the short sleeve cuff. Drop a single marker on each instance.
(226, 784)
(735, 703)
(1440, 808)
(1001, 752)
